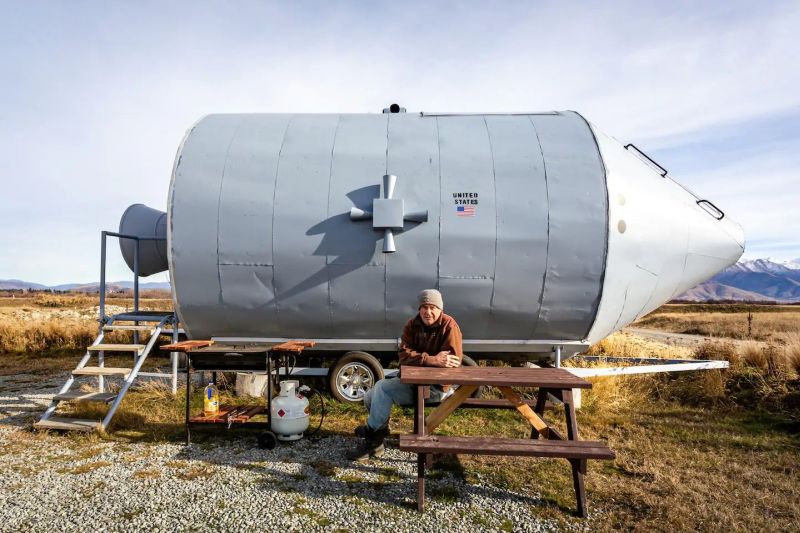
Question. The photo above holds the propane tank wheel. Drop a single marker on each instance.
(267, 440)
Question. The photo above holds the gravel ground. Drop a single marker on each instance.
(55, 483)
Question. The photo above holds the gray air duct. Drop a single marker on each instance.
(145, 223)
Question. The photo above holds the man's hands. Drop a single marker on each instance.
(445, 359)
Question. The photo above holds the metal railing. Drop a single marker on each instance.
(137, 239)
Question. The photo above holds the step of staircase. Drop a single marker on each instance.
(68, 424)
(116, 348)
(127, 327)
(80, 396)
(101, 371)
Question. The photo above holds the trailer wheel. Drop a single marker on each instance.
(353, 375)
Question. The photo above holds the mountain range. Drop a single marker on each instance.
(750, 280)
(17, 284)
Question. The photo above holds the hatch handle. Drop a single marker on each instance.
(711, 209)
(663, 171)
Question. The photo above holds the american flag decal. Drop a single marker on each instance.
(465, 210)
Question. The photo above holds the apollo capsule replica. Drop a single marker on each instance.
(538, 229)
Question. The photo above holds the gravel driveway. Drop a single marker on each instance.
(71, 483)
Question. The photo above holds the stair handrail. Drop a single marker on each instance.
(128, 381)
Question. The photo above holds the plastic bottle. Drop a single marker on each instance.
(211, 400)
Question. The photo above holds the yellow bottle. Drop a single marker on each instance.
(211, 400)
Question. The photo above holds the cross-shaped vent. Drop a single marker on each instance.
(388, 214)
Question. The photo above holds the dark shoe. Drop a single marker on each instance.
(361, 431)
(365, 451)
(371, 446)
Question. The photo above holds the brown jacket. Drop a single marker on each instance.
(420, 344)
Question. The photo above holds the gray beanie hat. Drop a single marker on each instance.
(431, 296)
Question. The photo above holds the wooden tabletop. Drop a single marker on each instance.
(209, 346)
(230, 348)
(552, 378)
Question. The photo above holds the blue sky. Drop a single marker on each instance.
(96, 96)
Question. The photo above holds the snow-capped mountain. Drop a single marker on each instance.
(766, 266)
(793, 264)
(751, 280)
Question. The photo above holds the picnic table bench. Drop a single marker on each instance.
(556, 382)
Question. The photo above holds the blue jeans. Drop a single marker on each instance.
(379, 399)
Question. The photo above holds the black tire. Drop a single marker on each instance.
(469, 361)
(353, 375)
(267, 440)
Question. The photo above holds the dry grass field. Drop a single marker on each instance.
(49, 324)
(696, 451)
(765, 323)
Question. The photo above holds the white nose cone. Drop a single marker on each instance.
(662, 241)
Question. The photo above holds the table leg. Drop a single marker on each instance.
(188, 396)
(541, 401)
(569, 412)
(578, 465)
(578, 473)
(419, 429)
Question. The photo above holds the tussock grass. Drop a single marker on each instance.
(762, 374)
(793, 352)
(26, 336)
(622, 344)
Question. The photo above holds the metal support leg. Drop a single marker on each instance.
(188, 397)
(174, 357)
(269, 390)
(101, 362)
(136, 287)
(419, 425)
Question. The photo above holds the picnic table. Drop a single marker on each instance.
(544, 441)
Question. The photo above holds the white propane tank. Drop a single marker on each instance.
(289, 412)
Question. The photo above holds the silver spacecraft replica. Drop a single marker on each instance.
(541, 231)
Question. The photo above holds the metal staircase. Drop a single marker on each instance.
(157, 326)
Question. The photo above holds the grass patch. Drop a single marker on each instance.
(200, 472)
(147, 474)
(324, 468)
(480, 519)
(444, 493)
(130, 515)
(389, 475)
(87, 453)
(350, 478)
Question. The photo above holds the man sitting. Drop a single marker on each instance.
(431, 338)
